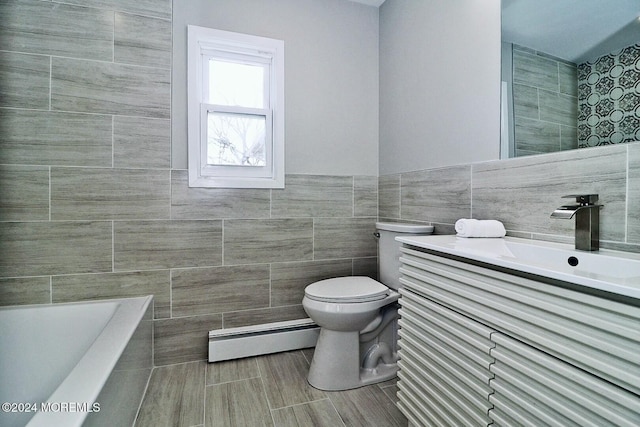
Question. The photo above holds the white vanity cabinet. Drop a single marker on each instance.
(480, 346)
(444, 369)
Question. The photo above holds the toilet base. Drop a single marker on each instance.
(336, 363)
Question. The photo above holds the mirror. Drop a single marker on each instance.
(571, 74)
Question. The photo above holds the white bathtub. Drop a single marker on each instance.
(75, 364)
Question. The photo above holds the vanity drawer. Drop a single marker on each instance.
(533, 389)
(593, 333)
(444, 364)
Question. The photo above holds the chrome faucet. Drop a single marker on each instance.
(587, 215)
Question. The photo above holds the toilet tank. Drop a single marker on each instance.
(389, 248)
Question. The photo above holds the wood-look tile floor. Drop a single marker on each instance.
(270, 390)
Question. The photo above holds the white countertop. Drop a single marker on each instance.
(606, 270)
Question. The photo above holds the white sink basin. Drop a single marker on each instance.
(606, 270)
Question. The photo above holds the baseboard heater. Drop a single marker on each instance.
(234, 343)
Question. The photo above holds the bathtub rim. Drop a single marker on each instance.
(96, 365)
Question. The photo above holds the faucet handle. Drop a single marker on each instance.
(583, 199)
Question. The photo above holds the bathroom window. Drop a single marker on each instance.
(235, 110)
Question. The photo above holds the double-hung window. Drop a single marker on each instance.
(235, 110)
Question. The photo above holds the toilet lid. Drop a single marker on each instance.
(351, 289)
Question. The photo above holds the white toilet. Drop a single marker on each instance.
(358, 319)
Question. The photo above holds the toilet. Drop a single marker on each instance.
(358, 319)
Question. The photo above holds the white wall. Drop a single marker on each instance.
(439, 83)
(331, 77)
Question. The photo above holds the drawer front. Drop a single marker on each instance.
(535, 389)
(444, 365)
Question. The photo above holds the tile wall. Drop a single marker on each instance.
(522, 193)
(545, 102)
(609, 96)
(90, 207)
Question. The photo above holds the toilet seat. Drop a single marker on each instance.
(342, 290)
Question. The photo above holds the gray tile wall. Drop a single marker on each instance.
(90, 207)
(522, 193)
(545, 102)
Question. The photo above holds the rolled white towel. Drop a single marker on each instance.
(479, 228)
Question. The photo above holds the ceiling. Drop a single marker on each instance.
(576, 30)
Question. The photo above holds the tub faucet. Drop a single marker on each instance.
(587, 215)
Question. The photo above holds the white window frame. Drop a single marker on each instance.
(203, 44)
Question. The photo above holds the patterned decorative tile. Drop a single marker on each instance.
(87, 287)
(140, 142)
(47, 28)
(25, 193)
(47, 248)
(87, 194)
(107, 88)
(215, 203)
(313, 196)
(608, 98)
(263, 241)
(24, 80)
(219, 289)
(140, 40)
(437, 195)
(54, 138)
(141, 245)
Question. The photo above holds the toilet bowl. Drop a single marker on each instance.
(357, 316)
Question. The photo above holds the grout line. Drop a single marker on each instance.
(113, 246)
(353, 196)
(400, 196)
(50, 79)
(626, 198)
(230, 381)
(222, 226)
(471, 192)
(204, 397)
(50, 207)
(113, 141)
